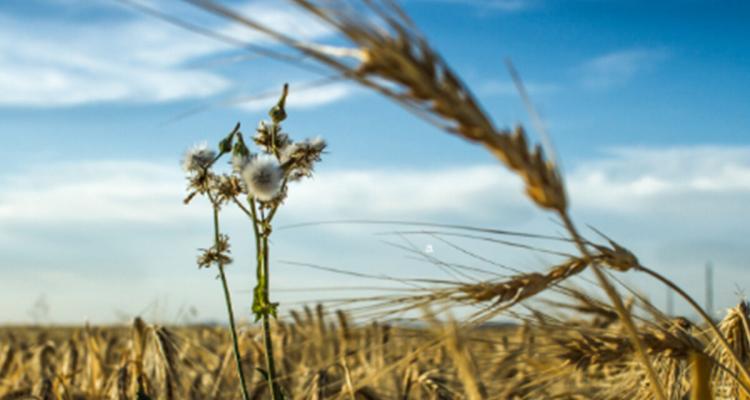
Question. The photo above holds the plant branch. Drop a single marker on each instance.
(230, 311)
(261, 301)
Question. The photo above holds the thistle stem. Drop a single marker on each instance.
(267, 341)
(230, 311)
(261, 247)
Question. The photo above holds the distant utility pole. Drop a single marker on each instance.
(670, 303)
(710, 289)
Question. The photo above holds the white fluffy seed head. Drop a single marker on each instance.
(197, 158)
(318, 143)
(239, 162)
(288, 151)
(263, 176)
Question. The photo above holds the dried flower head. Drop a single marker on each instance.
(239, 161)
(198, 158)
(299, 158)
(218, 253)
(199, 182)
(276, 202)
(268, 136)
(263, 177)
(226, 188)
(318, 143)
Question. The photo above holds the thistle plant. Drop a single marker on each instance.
(257, 184)
(202, 180)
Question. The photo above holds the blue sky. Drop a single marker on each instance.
(647, 105)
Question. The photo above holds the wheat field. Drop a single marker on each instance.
(555, 339)
(323, 355)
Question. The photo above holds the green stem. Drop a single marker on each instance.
(270, 363)
(267, 341)
(261, 246)
(256, 233)
(230, 311)
(273, 210)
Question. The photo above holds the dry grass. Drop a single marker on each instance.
(578, 348)
(328, 356)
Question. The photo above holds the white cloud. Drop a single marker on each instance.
(95, 228)
(141, 192)
(619, 67)
(664, 181)
(305, 98)
(287, 19)
(88, 192)
(623, 181)
(141, 59)
(407, 193)
(60, 64)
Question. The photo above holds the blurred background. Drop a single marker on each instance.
(647, 105)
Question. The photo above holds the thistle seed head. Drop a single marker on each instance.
(198, 158)
(298, 159)
(218, 253)
(263, 177)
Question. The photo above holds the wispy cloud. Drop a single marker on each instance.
(666, 183)
(86, 192)
(142, 192)
(623, 181)
(675, 207)
(138, 59)
(305, 98)
(59, 64)
(283, 18)
(619, 67)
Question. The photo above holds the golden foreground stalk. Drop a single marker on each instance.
(627, 321)
(707, 319)
(700, 377)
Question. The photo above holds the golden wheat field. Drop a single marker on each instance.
(574, 329)
(322, 354)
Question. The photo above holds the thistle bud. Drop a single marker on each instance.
(225, 146)
(277, 112)
(240, 148)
